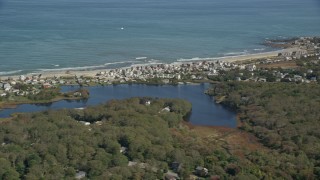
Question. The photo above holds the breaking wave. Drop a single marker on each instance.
(235, 53)
(10, 72)
(141, 58)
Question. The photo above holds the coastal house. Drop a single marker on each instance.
(313, 78)
(176, 166)
(77, 94)
(28, 82)
(242, 67)
(16, 91)
(46, 86)
(171, 176)
(262, 80)
(53, 82)
(298, 78)
(132, 163)
(166, 81)
(80, 175)
(148, 103)
(201, 171)
(309, 71)
(140, 165)
(166, 109)
(238, 79)
(101, 73)
(84, 123)
(251, 67)
(22, 78)
(33, 77)
(244, 99)
(80, 80)
(123, 149)
(99, 123)
(7, 87)
(288, 58)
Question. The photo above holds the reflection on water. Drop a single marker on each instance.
(204, 109)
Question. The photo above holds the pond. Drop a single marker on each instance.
(204, 110)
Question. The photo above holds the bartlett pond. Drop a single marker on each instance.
(204, 109)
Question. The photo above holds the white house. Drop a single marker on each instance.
(7, 87)
(148, 103)
(13, 83)
(310, 71)
(80, 175)
(22, 78)
(251, 67)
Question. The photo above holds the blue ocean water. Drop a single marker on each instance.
(53, 34)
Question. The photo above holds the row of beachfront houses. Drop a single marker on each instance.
(179, 71)
(122, 75)
(309, 47)
(138, 72)
(169, 71)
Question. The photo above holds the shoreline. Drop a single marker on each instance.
(13, 105)
(225, 125)
(68, 72)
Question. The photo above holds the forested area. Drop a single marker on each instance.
(285, 117)
(138, 138)
(144, 138)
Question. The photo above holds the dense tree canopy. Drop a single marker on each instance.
(132, 139)
(285, 117)
(58, 144)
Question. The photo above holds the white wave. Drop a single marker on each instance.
(198, 59)
(9, 72)
(141, 58)
(236, 53)
(73, 68)
(146, 64)
(228, 57)
(86, 67)
(153, 61)
(259, 49)
(120, 62)
(56, 65)
(283, 37)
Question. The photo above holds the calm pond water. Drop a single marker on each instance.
(204, 109)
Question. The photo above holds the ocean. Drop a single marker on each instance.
(46, 35)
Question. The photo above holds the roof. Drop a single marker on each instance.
(80, 175)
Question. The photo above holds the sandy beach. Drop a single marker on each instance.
(92, 73)
(244, 57)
